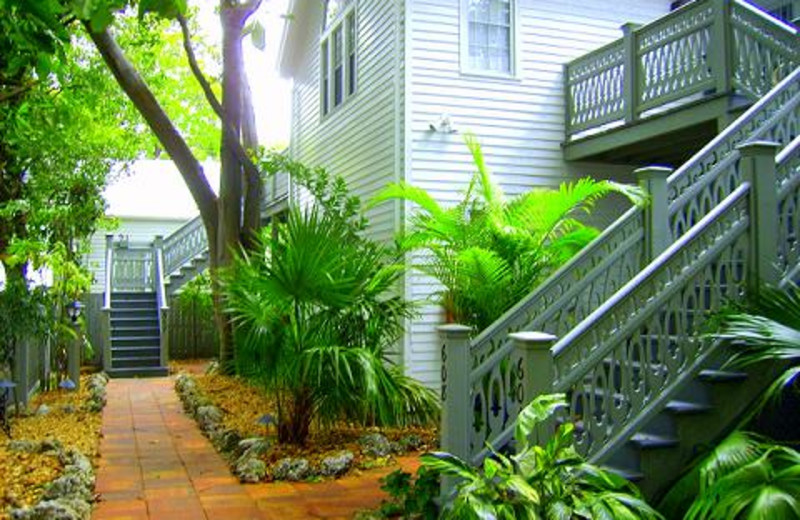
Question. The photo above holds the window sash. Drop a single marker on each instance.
(489, 44)
(338, 59)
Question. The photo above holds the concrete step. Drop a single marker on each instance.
(119, 373)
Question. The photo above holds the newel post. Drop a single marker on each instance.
(630, 89)
(538, 371)
(456, 416)
(658, 236)
(758, 168)
(719, 56)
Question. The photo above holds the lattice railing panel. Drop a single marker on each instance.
(672, 56)
(594, 88)
(134, 270)
(764, 51)
(185, 244)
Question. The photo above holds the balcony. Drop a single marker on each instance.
(664, 89)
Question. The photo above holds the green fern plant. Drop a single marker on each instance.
(488, 251)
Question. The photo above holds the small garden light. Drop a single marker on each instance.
(67, 384)
(74, 310)
(266, 420)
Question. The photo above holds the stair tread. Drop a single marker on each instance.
(686, 407)
(138, 372)
(650, 440)
(722, 376)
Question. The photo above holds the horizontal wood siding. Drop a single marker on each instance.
(138, 231)
(358, 139)
(519, 121)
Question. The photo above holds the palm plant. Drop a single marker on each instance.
(488, 251)
(745, 476)
(769, 329)
(316, 319)
(549, 481)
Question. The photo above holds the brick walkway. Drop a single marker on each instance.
(155, 464)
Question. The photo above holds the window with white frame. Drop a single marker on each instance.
(338, 63)
(488, 45)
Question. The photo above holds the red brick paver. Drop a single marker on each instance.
(155, 464)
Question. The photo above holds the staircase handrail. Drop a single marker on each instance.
(184, 244)
(646, 310)
(690, 186)
(109, 272)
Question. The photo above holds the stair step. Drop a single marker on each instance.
(123, 352)
(122, 331)
(136, 362)
(143, 341)
(132, 296)
(650, 441)
(722, 376)
(686, 407)
(119, 373)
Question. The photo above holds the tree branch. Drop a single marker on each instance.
(158, 121)
(241, 154)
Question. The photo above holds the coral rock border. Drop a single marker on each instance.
(70, 496)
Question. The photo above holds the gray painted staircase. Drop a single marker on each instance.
(706, 409)
(135, 335)
(175, 281)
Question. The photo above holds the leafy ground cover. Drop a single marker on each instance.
(24, 476)
(242, 405)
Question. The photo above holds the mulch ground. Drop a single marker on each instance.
(243, 404)
(23, 476)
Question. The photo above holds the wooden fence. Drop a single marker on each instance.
(191, 331)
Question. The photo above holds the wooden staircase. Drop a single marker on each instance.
(620, 329)
(135, 336)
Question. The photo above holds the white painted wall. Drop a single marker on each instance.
(519, 121)
(358, 139)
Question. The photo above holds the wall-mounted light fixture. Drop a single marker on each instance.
(443, 125)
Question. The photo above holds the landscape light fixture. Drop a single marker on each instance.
(74, 310)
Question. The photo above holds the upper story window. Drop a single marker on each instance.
(489, 43)
(338, 63)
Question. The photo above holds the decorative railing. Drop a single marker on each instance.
(708, 47)
(708, 177)
(494, 369)
(133, 270)
(788, 179)
(185, 244)
(623, 362)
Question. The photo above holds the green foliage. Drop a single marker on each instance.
(330, 192)
(768, 329)
(316, 321)
(196, 293)
(411, 498)
(23, 313)
(745, 476)
(487, 251)
(547, 481)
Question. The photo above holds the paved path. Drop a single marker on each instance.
(155, 464)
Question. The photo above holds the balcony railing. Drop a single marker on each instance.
(706, 48)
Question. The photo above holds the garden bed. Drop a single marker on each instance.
(57, 437)
(228, 410)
